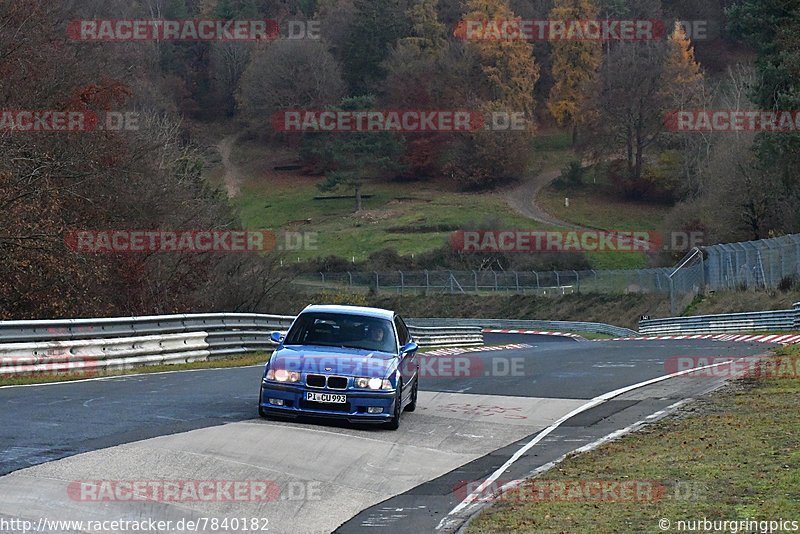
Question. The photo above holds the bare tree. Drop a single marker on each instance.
(286, 75)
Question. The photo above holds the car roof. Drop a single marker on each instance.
(350, 310)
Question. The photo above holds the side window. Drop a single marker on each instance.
(402, 331)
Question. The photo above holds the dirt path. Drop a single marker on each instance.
(522, 199)
(232, 176)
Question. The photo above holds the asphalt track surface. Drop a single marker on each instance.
(202, 425)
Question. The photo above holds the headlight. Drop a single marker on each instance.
(282, 375)
(373, 383)
(362, 383)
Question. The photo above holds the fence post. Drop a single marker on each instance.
(671, 297)
(427, 282)
(495, 281)
(702, 271)
(516, 274)
(350, 277)
(558, 279)
(475, 276)
(402, 283)
(577, 280)
(377, 283)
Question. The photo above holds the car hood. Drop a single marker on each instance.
(334, 360)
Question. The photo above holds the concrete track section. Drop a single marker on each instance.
(324, 474)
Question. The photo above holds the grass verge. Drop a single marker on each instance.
(732, 456)
(239, 361)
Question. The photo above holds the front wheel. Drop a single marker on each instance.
(394, 422)
(261, 412)
(414, 391)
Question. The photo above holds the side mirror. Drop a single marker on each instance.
(277, 337)
(409, 347)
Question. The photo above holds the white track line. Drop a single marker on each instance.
(547, 431)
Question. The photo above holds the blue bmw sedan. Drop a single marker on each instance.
(348, 362)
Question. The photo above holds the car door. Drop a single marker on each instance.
(408, 363)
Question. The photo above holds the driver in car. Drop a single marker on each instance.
(378, 334)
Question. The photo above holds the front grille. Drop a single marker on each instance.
(329, 406)
(337, 382)
(322, 381)
(315, 381)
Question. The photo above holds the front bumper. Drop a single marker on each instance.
(355, 410)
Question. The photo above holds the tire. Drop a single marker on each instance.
(394, 422)
(414, 391)
(261, 412)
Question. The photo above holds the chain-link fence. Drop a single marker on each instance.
(755, 264)
(477, 282)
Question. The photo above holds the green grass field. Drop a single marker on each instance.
(399, 216)
(592, 206)
(410, 217)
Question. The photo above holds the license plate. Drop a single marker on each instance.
(326, 397)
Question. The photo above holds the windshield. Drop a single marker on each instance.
(340, 330)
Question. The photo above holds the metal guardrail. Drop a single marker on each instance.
(79, 344)
(515, 324)
(74, 329)
(766, 321)
(458, 336)
(96, 354)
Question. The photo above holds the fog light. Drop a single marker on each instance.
(375, 409)
(276, 402)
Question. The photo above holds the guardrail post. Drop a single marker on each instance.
(797, 316)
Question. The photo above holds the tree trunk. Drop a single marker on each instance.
(574, 134)
(629, 142)
(637, 170)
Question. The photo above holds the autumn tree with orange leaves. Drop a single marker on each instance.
(575, 67)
